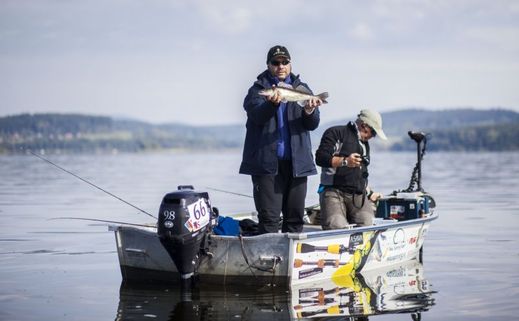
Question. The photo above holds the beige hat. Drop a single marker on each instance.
(374, 120)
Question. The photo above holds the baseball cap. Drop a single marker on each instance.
(374, 120)
(277, 51)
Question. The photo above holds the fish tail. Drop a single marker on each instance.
(323, 97)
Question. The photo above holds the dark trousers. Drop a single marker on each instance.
(281, 193)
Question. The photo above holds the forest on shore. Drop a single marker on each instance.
(449, 130)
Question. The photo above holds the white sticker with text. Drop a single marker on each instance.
(198, 215)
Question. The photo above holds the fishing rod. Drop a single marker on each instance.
(311, 207)
(228, 192)
(306, 217)
(98, 220)
(92, 184)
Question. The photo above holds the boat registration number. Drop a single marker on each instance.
(198, 215)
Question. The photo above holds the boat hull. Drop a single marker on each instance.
(282, 259)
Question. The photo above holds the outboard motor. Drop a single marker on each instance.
(185, 219)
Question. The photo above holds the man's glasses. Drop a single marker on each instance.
(279, 62)
(373, 132)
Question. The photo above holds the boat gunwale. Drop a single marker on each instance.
(386, 225)
(307, 235)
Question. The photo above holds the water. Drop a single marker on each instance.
(68, 269)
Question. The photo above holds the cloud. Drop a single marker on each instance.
(361, 32)
(149, 59)
(499, 38)
(229, 19)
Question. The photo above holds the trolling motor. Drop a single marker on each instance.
(416, 176)
(185, 220)
(412, 202)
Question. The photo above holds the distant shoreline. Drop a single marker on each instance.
(450, 130)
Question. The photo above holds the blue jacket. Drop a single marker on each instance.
(260, 147)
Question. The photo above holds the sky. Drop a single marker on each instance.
(193, 61)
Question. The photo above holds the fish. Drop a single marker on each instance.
(301, 94)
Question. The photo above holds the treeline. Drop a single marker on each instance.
(504, 137)
(456, 129)
(450, 130)
(71, 133)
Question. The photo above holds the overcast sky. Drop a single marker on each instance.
(193, 61)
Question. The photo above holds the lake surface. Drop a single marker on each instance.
(68, 269)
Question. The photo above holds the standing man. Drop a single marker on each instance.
(277, 152)
(343, 154)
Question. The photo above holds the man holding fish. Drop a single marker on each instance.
(277, 153)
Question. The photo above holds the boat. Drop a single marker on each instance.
(282, 258)
(401, 288)
(183, 248)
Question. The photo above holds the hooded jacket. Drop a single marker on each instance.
(260, 147)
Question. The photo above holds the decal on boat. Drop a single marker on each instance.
(334, 258)
(199, 215)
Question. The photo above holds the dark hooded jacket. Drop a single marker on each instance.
(343, 141)
(260, 147)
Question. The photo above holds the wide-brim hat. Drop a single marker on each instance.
(373, 120)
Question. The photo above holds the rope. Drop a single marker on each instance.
(251, 266)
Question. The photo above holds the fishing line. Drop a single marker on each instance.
(228, 192)
(305, 217)
(92, 184)
(98, 220)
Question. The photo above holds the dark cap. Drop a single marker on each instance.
(277, 51)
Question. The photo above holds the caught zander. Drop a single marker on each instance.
(300, 94)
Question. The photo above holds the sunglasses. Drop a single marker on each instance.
(279, 62)
(373, 132)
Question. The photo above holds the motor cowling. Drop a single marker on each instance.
(185, 218)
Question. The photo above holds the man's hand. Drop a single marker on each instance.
(354, 160)
(375, 196)
(275, 98)
(312, 104)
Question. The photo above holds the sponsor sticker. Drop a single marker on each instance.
(199, 215)
(307, 273)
